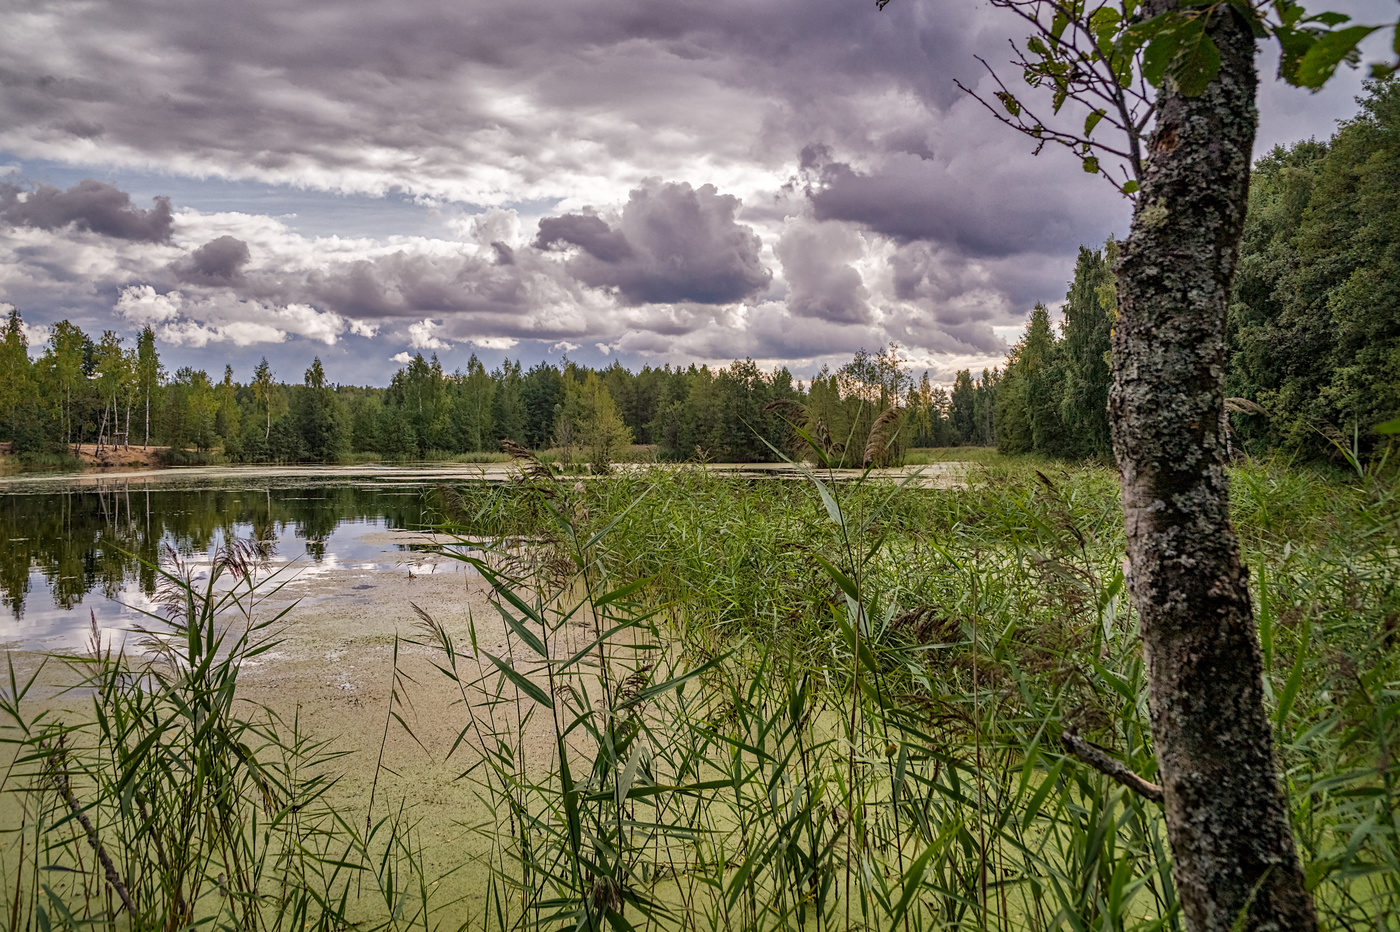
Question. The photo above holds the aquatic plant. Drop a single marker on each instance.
(162, 799)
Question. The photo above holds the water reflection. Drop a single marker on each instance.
(65, 545)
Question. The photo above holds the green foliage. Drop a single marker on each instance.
(1053, 399)
(1315, 320)
(869, 411)
(885, 676)
(1113, 57)
(191, 407)
(321, 419)
(589, 418)
(759, 704)
(174, 803)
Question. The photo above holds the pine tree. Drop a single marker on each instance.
(14, 374)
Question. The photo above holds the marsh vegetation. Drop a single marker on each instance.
(744, 703)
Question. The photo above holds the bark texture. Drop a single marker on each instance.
(1232, 842)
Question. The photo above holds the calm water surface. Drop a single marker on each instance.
(73, 546)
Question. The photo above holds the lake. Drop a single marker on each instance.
(82, 546)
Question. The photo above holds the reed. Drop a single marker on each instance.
(883, 680)
(164, 800)
(744, 703)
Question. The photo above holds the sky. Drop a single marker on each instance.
(677, 181)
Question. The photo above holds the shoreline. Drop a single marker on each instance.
(932, 475)
(332, 674)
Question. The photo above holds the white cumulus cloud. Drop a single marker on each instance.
(422, 336)
(182, 320)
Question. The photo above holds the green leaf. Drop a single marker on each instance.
(1012, 105)
(521, 683)
(629, 774)
(1198, 62)
(1389, 427)
(1329, 51)
(1091, 165)
(619, 594)
(1037, 799)
(833, 510)
(1131, 186)
(531, 640)
(1295, 678)
(847, 584)
(1090, 122)
(1104, 23)
(1288, 11)
(1329, 19)
(858, 644)
(1158, 55)
(913, 880)
(1293, 45)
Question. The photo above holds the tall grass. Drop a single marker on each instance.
(743, 703)
(885, 675)
(170, 802)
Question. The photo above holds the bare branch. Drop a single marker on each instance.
(1100, 761)
(59, 777)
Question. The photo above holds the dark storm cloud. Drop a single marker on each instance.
(816, 264)
(673, 244)
(407, 284)
(589, 233)
(541, 103)
(89, 205)
(219, 261)
(423, 95)
(984, 210)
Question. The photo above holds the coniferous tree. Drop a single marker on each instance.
(962, 406)
(1085, 358)
(227, 417)
(320, 417)
(508, 415)
(471, 407)
(366, 412)
(541, 392)
(15, 390)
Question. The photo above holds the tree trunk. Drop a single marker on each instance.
(1227, 818)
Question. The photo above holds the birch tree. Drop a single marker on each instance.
(1177, 81)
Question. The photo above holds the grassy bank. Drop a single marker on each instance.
(755, 703)
(889, 671)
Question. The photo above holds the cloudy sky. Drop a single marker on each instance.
(670, 181)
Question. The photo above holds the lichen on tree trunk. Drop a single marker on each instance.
(1227, 817)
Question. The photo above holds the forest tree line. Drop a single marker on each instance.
(1314, 324)
(81, 390)
(1314, 358)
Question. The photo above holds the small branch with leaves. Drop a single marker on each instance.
(1111, 58)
